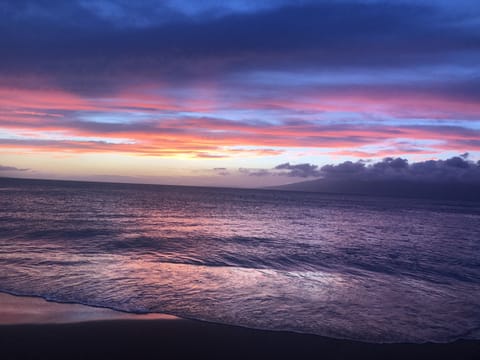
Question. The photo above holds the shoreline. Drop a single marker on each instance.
(35, 328)
(30, 310)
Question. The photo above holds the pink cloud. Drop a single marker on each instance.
(41, 111)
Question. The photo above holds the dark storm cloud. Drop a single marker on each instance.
(83, 43)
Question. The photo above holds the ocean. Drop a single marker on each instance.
(374, 269)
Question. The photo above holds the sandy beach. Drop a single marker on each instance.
(34, 328)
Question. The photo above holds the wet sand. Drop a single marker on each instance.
(31, 328)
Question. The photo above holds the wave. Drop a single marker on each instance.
(387, 334)
(366, 269)
(250, 253)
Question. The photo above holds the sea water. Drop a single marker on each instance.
(364, 268)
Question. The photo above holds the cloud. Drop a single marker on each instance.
(457, 169)
(455, 178)
(221, 171)
(202, 79)
(255, 172)
(79, 44)
(11, 168)
(300, 170)
(128, 119)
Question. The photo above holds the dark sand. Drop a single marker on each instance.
(171, 337)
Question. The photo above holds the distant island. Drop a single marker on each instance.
(395, 188)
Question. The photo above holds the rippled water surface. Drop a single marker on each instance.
(373, 269)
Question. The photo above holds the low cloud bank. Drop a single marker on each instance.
(11, 168)
(300, 170)
(458, 169)
(456, 178)
(455, 169)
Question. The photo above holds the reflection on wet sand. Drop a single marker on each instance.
(33, 310)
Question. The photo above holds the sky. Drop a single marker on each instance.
(234, 93)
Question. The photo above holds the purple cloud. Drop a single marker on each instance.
(456, 169)
(300, 170)
(11, 168)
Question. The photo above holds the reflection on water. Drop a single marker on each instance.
(352, 267)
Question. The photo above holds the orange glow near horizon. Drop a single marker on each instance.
(141, 121)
